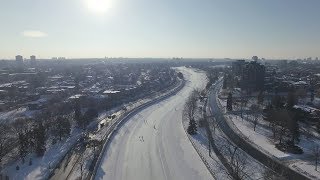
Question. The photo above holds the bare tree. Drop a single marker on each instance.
(237, 160)
(229, 102)
(256, 111)
(242, 101)
(82, 163)
(22, 129)
(260, 98)
(4, 141)
(270, 174)
(316, 155)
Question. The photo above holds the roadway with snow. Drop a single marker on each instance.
(153, 144)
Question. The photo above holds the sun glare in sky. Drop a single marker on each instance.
(98, 6)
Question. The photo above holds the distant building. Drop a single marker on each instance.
(283, 63)
(33, 60)
(253, 76)
(317, 58)
(255, 58)
(237, 67)
(19, 58)
(19, 61)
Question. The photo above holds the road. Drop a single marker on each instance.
(153, 144)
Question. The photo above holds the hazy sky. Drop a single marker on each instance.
(160, 28)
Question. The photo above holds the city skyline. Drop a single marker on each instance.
(162, 29)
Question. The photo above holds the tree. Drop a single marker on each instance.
(255, 113)
(229, 102)
(180, 75)
(316, 155)
(281, 119)
(312, 94)
(4, 141)
(190, 107)
(192, 128)
(260, 97)
(293, 127)
(300, 93)
(22, 128)
(238, 161)
(23, 145)
(82, 165)
(243, 103)
(277, 102)
(62, 127)
(291, 99)
(38, 80)
(78, 114)
(224, 86)
(269, 172)
(276, 119)
(39, 139)
(269, 115)
(89, 115)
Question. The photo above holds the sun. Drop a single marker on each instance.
(98, 6)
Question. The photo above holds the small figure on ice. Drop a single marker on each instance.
(141, 138)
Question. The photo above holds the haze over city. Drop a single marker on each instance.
(160, 28)
(160, 90)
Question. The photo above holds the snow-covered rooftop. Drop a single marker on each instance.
(110, 92)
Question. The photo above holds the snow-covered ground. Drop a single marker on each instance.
(41, 167)
(10, 116)
(153, 143)
(262, 138)
(252, 169)
(201, 144)
(77, 163)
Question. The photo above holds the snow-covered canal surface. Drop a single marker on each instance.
(153, 144)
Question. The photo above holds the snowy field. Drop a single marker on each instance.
(153, 143)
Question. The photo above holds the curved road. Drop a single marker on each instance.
(153, 144)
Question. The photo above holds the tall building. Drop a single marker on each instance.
(253, 75)
(19, 58)
(19, 62)
(237, 67)
(33, 60)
